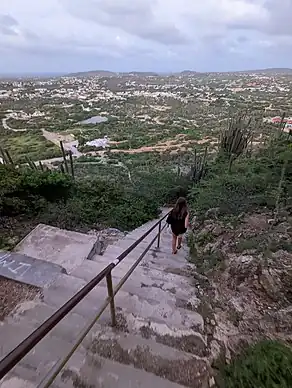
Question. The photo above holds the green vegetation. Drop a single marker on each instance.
(31, 144)
(267, 364)
(55, 198)
(252, 183)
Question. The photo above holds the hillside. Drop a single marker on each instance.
(241, 205)
(184, 73)
(92, 73)
(138, 143)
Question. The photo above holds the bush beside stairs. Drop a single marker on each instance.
(160, 340)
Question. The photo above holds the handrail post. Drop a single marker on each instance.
(110, 291)
(159, 233)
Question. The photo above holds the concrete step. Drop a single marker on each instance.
(89, 269)
(68, 329)
(151, 356)
(49, 350)
(160, 312)
(143, 285)
(159, 339)
(88, 371)
(25, 375)
(158, 260)
(28, 270)
(188, 340)
(144, 275)
(145, 307)
(99, 372)
(59, 246)
(65, 287)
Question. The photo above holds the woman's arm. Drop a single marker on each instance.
(187, 221)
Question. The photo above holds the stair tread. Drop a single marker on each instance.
(159, 339)
(153, 357)
(99, 372)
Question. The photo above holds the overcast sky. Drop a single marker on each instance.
(158, 35)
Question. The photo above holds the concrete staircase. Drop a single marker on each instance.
(160, 340)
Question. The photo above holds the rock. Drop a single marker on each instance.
(217, 231)
(241, 268)
(213, 247)
(213, 213)
(284, 227)
(106, 237)
(270, 283)
(272, 221)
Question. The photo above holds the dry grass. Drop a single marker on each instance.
(12, 293)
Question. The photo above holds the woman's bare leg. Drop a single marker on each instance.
(174, 241)
(179, 241)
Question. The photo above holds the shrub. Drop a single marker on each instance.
(98, 204)
(267, 364)
(51, 185)
(133, 212)
(254, 182)
(26, 192)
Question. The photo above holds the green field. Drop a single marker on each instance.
(31, 144)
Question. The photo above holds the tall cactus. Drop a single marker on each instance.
(198, 168)
(235, 139)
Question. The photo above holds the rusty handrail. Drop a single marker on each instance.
(18, 353)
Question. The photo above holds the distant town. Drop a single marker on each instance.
(98, 112)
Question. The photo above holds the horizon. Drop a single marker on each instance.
(64, 73)
(68, 36)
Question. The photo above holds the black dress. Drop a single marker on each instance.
(177, 224)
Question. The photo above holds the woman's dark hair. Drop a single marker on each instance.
(180, 210)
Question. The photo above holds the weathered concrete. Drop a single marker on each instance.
(160, 339)
(63, 247)
(175, 365)
(28, 270)
(99, 372)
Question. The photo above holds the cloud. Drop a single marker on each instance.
(159, 34)
(8, 25)
(136, 18)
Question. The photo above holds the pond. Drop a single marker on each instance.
(94, 120)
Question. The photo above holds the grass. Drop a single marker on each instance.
(249, 244)
(31, 144)
(267, 364)
(253, 182)
(263, 244)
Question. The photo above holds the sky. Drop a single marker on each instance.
(60, 36)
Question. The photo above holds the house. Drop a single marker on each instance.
(278, 120)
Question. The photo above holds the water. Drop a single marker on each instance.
(94, 120)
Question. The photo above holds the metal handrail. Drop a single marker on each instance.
(17, 354)
(56, 369)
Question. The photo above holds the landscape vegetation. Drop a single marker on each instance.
(223, 140)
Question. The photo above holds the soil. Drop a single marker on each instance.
(12, 293)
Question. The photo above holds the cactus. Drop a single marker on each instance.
(235, 139)
(9, 158)
(31, 164)
(64, 158)
(62, 168)
(71, 164)
(6, 157)
(41, 166)
(198, 169)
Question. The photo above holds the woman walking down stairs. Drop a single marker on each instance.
(160, 339)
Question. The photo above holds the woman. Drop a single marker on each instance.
(178, 219)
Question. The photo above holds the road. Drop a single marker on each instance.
(6, 126)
